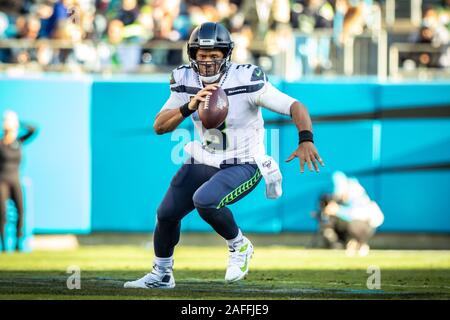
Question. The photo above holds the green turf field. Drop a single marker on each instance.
(275, 273)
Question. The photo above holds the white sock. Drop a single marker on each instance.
(164, 263)
(233, 242)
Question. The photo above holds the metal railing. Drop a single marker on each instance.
(415, 11)
(353, 57)
(366, 54)
(91, 63)
(396, 70)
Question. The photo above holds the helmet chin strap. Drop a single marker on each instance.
(210, 79)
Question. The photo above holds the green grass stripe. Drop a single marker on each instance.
(276, 272)
(240, 190)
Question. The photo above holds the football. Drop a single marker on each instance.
(214, 110)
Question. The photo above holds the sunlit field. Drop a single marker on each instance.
(276, 272)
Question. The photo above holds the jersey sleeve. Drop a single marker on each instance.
(176, 98)
(273, 99)
(267, 96)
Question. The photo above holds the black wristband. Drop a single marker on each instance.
(305, 135)
(185, 111)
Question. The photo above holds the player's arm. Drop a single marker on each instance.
(277, 101)
(31, 130)
(174, 112)
(306, 151)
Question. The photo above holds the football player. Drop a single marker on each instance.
(210, 189)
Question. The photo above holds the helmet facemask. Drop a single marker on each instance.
(211, 70)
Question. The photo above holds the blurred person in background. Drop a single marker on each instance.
(433, 31)
(268, 13)
(354, 17)
(436, 23)
(10, 159)
(211, 13)
(340, 9)
(332, 232)
(277, 42)
(351, 216)
(242, 42)
(444, 13)
(182, 24)
(13, 7)
(4, 24)
(28, 28)
(227, 10)
(108, 48)
(57, 13)
(115, 53)
(444, 18)
(308, 17)
(353, 22)
(129, 12)
(115, 32)
(165, 15)
(425, 59)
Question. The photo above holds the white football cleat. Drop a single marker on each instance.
(239, 260)
(158, 278)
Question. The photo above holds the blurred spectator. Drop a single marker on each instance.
(324, 26)
(12, 7)
(4, 23)
(310, 16)
(27, 28)
(141, 21)
(435, 32)
(10, 158)
(114, 53)
(128, 12)
(444, 13)
(348, 216)
(242, 41)
(352, 18)
(353, 22)
(432, 20)
(115, 32)
(260, 15)
(59, 13)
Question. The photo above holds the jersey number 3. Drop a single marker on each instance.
(216, 139)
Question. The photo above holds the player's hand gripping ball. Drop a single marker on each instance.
(214, 110)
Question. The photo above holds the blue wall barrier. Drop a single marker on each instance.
(131, 165)
(97, 165)
(58, 160)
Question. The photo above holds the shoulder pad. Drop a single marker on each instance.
(250, 73)
(177, 75)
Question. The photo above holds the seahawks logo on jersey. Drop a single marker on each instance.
(257, 74)
(172, 79)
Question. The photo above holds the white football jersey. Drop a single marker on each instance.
(241, 136)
